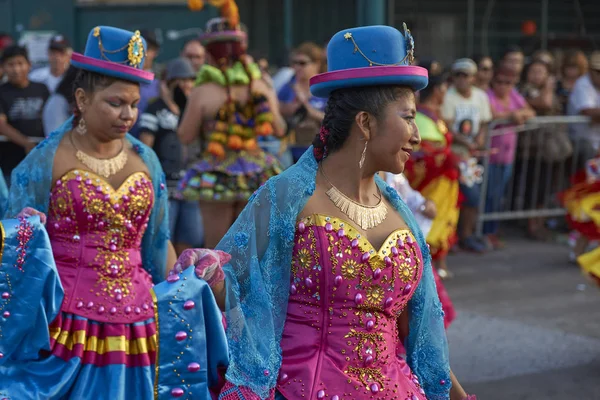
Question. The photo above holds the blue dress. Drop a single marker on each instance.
(60, 341)
(187, 352)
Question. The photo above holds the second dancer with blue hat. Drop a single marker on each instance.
(329, 272)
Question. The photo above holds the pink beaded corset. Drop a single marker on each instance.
(96, 233)
(341, 333)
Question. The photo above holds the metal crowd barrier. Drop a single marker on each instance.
(541, 169)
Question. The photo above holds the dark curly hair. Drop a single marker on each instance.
(342, 107)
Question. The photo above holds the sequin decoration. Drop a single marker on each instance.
(135, 50)
(352, 294)
(24, 234)
(303, 259)
(99, 229)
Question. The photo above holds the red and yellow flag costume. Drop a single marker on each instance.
(582, 202)
(434, 172)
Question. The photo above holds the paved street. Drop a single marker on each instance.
(528, 325)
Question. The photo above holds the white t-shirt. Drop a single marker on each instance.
(584, 96)
(56, 112)
(43, 75)
(468, 114)
(413, 199)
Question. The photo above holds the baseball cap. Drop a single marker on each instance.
(150, 37)
(180, 68)
(59, 42)
(465, 65)
(595, 60)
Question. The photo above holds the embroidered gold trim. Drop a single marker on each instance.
(352, 232)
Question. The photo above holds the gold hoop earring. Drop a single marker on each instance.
(363, 156)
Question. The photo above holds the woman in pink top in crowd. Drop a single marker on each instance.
(506, 104)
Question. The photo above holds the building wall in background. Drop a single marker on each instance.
(314, 20)
(439, 26)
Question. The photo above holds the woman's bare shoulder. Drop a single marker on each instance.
(64, 159)
(209, 87)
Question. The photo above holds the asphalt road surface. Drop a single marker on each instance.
(528, 325)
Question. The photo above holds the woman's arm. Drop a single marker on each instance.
(208, 265)
(191, 122)
(314, 114)
(14, 135)
(502, 114)
(527, 112)
(545, 100)
(481, 137)
(289, 109)
(457, 392)
(517, 116)
(220, 295)
(147, 138)
(303, 100)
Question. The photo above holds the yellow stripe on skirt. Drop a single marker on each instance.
(444, 193)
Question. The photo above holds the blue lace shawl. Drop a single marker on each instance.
(31, 183)
(258, 278)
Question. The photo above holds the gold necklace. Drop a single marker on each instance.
(366, 217)
(104, 168)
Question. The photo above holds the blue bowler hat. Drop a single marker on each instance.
(369, 56)
(115, 52)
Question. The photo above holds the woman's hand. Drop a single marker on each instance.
(550, 84)
(30, 212)
(519, 117)
(29, 146)
(301, 97)
(208, 264)
(429, 210)
(457, 392)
